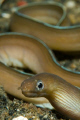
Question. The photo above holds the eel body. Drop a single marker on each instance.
(62, 95)
(21, 50)
(62, 38)
(26, 51)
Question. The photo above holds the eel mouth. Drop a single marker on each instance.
(29, 94)
(33, 94)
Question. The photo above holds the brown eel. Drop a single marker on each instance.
(17, 50)
(62, 38)
(61, 94)
(22, 50)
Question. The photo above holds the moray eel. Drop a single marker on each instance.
(61, 94)
(17, 50)
(34, 20)
(22, 50)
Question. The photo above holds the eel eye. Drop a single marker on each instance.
(40, 85)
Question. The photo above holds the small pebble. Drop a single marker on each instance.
(20, 118)
(70, 4)
(73, 66)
